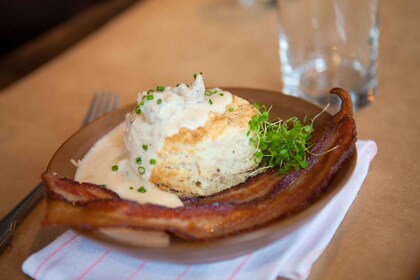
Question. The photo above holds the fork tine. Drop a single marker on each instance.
(116, 102)
(108, 99)
(98, 109)
(101, 103)
(91, 110)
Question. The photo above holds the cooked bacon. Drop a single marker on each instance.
(261, 200)
(75, 192)
(257, 186)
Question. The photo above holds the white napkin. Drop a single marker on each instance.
(72, 256)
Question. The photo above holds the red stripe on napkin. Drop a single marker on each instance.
(137, 271)
(184, 273)
(54, 253)
(238, 269)
(92, 266)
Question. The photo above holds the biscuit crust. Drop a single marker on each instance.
(211, 158)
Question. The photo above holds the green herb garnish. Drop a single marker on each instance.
(160, 88)
(150, 97)
(279, 143)
(152, 162)
(210, 102)
(141, 189)
(210, 92)
(195, 75)
(159, 101)
(131, 188)
(141, 170)
(138, 160)
(137, 110)
(145, 147)
(231, 109)
(115, 168)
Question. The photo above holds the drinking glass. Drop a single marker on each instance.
(329, 43)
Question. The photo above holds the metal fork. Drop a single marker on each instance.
(101, 103)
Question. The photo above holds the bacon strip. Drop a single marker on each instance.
(239, 210)
(72, 191)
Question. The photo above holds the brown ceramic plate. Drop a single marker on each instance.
(180, 251)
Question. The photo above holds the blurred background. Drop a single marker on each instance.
(34, 31)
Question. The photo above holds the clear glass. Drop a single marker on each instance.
(329, 43)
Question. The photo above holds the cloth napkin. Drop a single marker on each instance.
(72, 256)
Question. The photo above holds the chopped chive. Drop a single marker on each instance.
(137, 110)
(195, 75)
(221, 94)
(211, 92)
(115, 168)
(103, 186)
(159, 101)
(150, 97)
(143, 97)
(231, 109)
(138, 160)
(131, 188)
(145, 147)
(160, 88)
(149, 91)
(152, 161)
(210, 102)
(141, 189)
(141, 170)
(141, 103)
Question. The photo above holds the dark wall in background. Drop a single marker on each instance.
(23, 20)
(32, 32)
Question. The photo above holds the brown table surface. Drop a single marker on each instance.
(165, 42)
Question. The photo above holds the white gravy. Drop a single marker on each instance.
(134, 146)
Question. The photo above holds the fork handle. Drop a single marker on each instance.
(14, 217)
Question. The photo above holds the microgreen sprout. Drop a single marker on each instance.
(279, 143)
